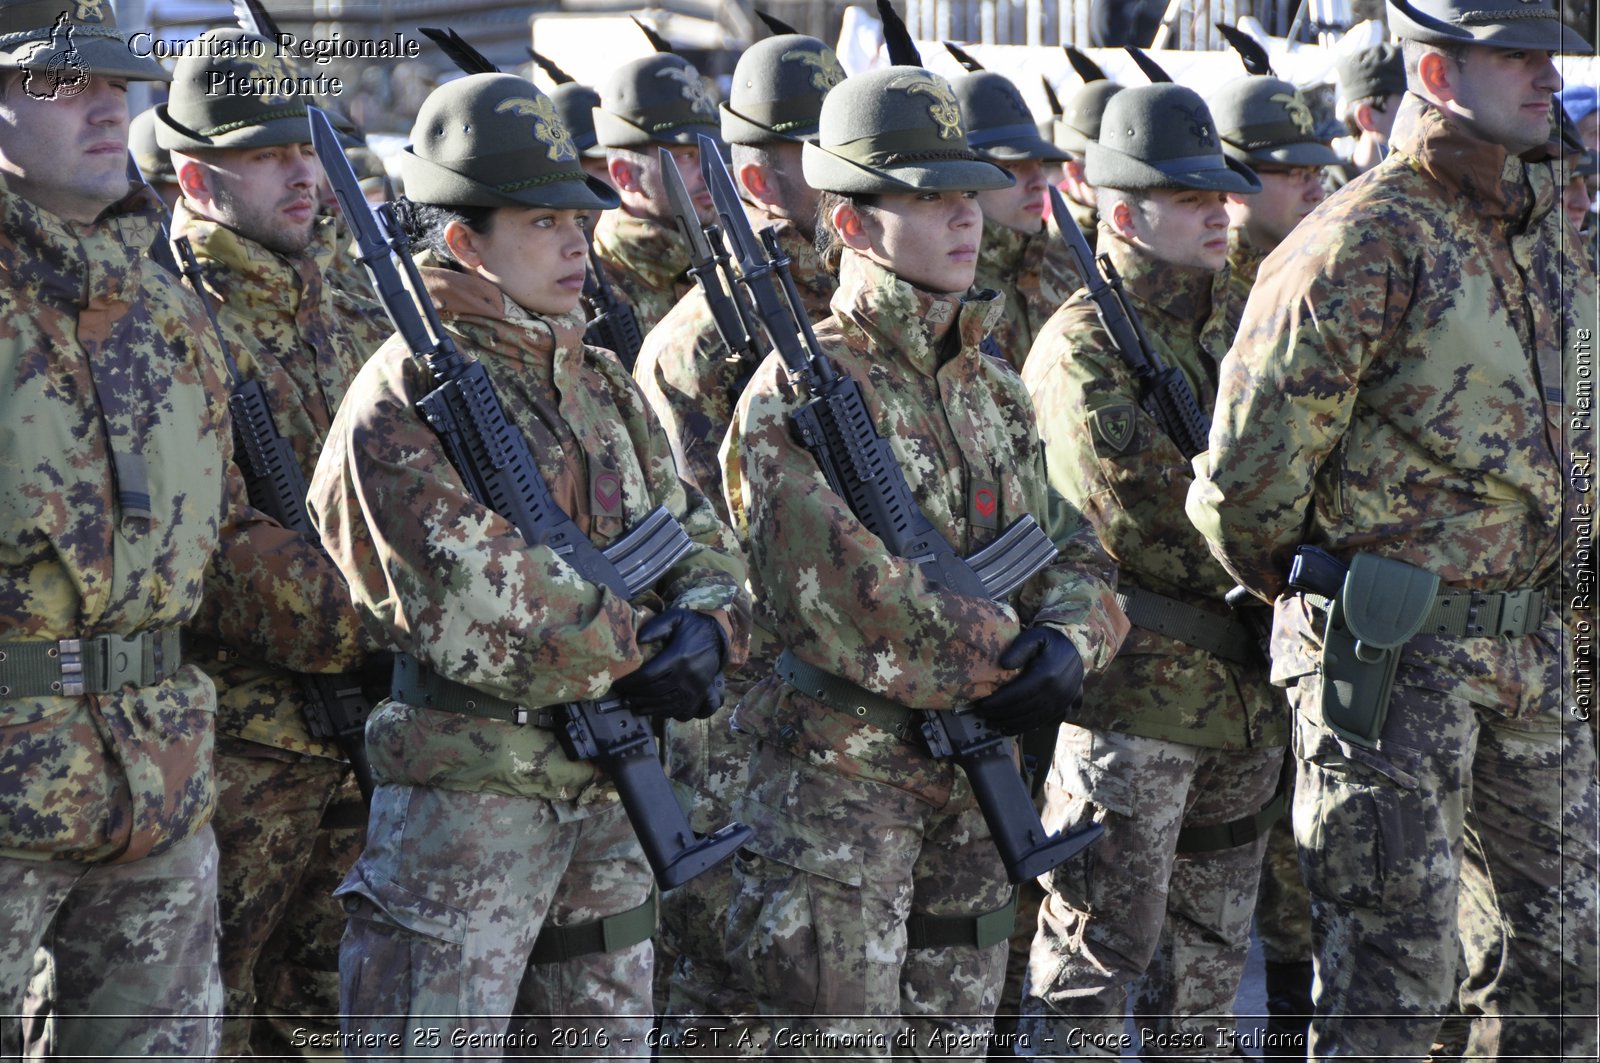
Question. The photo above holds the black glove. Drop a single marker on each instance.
(679, 680)
(1050, 686)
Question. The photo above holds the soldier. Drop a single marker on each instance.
(692, 382)
(1079, 127)
(1430, 299)
(1179, 746)
(575, 104)
(650, 103)
(1264, 123)
(483, 831)
(1021, 256)
(118, 490)
(249, 181)
(862, 839)
(1371, 83)
(155, 165)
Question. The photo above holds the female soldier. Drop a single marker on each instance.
(860, 833)
(482, 830)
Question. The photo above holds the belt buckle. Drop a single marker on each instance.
(69, 652)
(1516, 611)
(123, 661)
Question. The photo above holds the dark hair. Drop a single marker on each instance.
(829, 247)
(424, 224)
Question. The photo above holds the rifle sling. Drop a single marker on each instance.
(416, 684)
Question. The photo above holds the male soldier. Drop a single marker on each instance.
(692, 381)
(1371, 83)
(154, 164)
(575, 105)
(1020, 256)
(1397, 397)
(650, 103)
(1078, 128)
(249, 180)
(871, 895)
(1179, 746)
(1264, 123)
(117, 491)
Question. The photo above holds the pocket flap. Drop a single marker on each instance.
(1386, 601)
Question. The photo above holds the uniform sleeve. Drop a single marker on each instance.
(1113, 461)
(1288, 389)
(837, 597)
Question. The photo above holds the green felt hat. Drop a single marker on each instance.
(1000, 128)
(1163, 136)
(62, 43)
(660, 99)
(1533, 24)
(198, 116)
(778, 88)
(1079, 124)
(1265, 120)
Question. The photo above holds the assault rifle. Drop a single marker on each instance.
(334, 705)
(494, 460)
(860, 467)
(1167, 396)
(612, 323)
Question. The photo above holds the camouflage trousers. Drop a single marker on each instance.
(1104, 914)
(1283, 908)
(696, 993)
(279, 950)
(445, 904)
(133, 951)
(1454, 794)
(817, 929)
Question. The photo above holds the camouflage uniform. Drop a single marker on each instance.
(856, 828)
(304, 342)
(459, 588)
(1171, 736)
(1244, 260)
(1033, 272)
(692, 383)
(1443, 303)
(106, 851)
(646, 261)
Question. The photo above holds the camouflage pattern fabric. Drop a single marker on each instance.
(1035, 274)
(458, 587)
(1443, 303)
(439, 959)
(692, 381)
(961, 427)
(1142, 739)
(646, 261)
(1103, 914)
(133, 946)
(1244, 261)
(1086, 216)
(1283, 907)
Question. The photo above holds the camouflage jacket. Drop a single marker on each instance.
(646, 261)
(1087, 217)
(456, 585)
(1117, 465)
(1244, 262)
(111, 388)
(962, 429)
(690, 377)
(304, 341)
(1034, 273)
(1406, 383)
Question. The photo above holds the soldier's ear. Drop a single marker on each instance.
(463, 243)
(850, 226)
(753, 177)
(194, 179)
(624, 176)
(1122, 220)
(1438, 74)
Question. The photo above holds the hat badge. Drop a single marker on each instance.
(1299, 113)
(547, 125)
(692, 88)
(942, 105)
(825, 69)
(1198, 126)
(89, 10)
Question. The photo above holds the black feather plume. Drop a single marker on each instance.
(1087, 69)
(1250, 51)
(462, 54)
(1050, 95)
(658, 42)
(902, 52)
(971, 65)
(253, 18)
(776, 25)
(555, 73)
(1151, 68)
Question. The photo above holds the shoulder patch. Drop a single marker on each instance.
(1114, 425)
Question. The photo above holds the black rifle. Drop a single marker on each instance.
(612, 323)
(1167, 396)
(494, 460)
(712, 268)
(334, 705)
(860, 467)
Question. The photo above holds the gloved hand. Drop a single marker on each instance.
(679, 680)
(1050, 686)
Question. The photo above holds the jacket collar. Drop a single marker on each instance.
(893, 315)
(1482, 176)
(1180, 292)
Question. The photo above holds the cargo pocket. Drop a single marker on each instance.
(1369, 835)
(402, 954)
